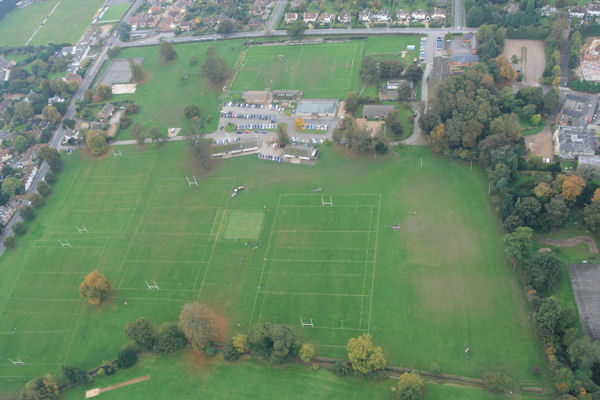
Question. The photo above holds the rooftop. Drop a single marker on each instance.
(580, 106)
(376, 111)
(317, 107)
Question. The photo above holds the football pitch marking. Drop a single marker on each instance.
(370, 247)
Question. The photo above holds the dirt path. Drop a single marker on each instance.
(126, 383)
(574, 241)
(540, 144)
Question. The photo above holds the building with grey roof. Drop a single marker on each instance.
(376, 111)
(580, 108)
(317, 108)
(571, 142)
(594, 161)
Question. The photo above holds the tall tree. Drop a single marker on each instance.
(142, 332)
(196, 323)
(414, 73)
(519, 244)
(95, 287)
(200, 149)
(167, 52)
(351, 103)
(215, 68)
(364, 355)
(411, 387)
(369, 70)
(295, 30)
(282, 135)
(393, 123)
(572, 187)
(96, 142)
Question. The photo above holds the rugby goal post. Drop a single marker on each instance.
(16, 362)
(191, 181)
(326, 201)
(64, 243)
(81, 229)
(307, 324)
(117, 154)
(152, 285)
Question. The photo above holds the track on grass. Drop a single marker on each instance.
(574, 241)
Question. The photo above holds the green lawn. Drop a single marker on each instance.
(250, 379)
(115, 12)
(164, 96)
(66, 24)
(324, 71)
(426, 291)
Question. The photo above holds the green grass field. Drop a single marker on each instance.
(426, 291)
(115, 12)
(164, 96)
(320, 70)
(66, 24)
(251, 379)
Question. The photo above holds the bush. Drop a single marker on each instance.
(169, 339)
(27, 213)
(342, 368)
(124, 122)
(307, 352)
(230, 353)
(132, 109)
(75, 375)
(126, 358)
(10, 242)
(50, 177)
(498, 382)
(43, 188)
(36, 200)
(142, 333)
(19, 229)
(210, 350)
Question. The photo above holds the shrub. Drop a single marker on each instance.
(19, 229)
(230, 353)
(124, 122)
(342, 368)
(132, 109)
(75, 375)
(169, 339)
(50, 177)
(210, 350)
(27, 213)
(126, 358)
(36, 200)
(142, 333)
(43, 188)
(498, 382)
(10, 242)
(307, 352)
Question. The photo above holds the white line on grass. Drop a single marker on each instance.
(364, 272)
(17, 333)
(317, 261)
(296, 231)
(262, 271)
(374, 265)
(312, 294)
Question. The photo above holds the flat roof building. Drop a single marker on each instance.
(317, 108)
(376, 111)
(571, 142)
(257, 97)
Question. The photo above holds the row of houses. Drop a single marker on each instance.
(368, 16)
(161, 18)
(589, 10)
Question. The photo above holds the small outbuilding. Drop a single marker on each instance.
(106, 111)
(257, 97)
(317, 108)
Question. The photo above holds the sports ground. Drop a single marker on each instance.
(275, 253)
(67, 20)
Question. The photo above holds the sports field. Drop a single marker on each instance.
(115, 12)
(67, 20)
(323, 71)
(170, 87)
(426, 291)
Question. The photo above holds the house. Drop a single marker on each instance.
(376, 111)
(365, 16)
(186, 26)
(55, 99)
(463, 60)
(402, 16)
(290, 17)
(133, 22)
(381, 17)
(344, 18)
(326, 18)
(257, 97)
(106, 111)
(548, 11)
(588, 160)
(67, 51)
(571, 142)
(438, 14)
(167, 24)
(310, 18)
(580, 108)
(74, 77)
(419, 15)
(593, 10)
(577, 12)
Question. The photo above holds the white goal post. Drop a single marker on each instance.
(16, 362)
(152, 285)
(64, 243)
(326, 201)
(81, 229)
(191, 181)
(307, 324)
(117, 153)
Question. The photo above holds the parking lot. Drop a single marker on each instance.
(255, 118)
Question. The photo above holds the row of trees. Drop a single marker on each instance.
(360, 140)
(373, 70)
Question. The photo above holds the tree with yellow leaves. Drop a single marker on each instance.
(95, 287)
(299, 124)
(572, 187)
(543, 190)
(437, 138)
(505, 70)
(596, 195)
(364, 356)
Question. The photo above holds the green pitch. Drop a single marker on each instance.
(115, 12)
(67, 20)
(243, 225)
(426, 291)
(320, 70)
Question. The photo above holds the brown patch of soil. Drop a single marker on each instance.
(574, 241)
(222, 327)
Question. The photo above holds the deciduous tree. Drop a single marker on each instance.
(438, 138)
(167, 52)
(196, 323)
(191, 111)
(104, 91)
(12, 186)
(282, 134)
(169, 339)
(351, 103)
(307, 352)
(95, 287)
(411, 387)
(215, 68)
(393, 123)
(142, 332)
(96, 142)
(519, 244)
(200, 150)
(51, 114)
(364, 355)
(572, 187)
(44, 388)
